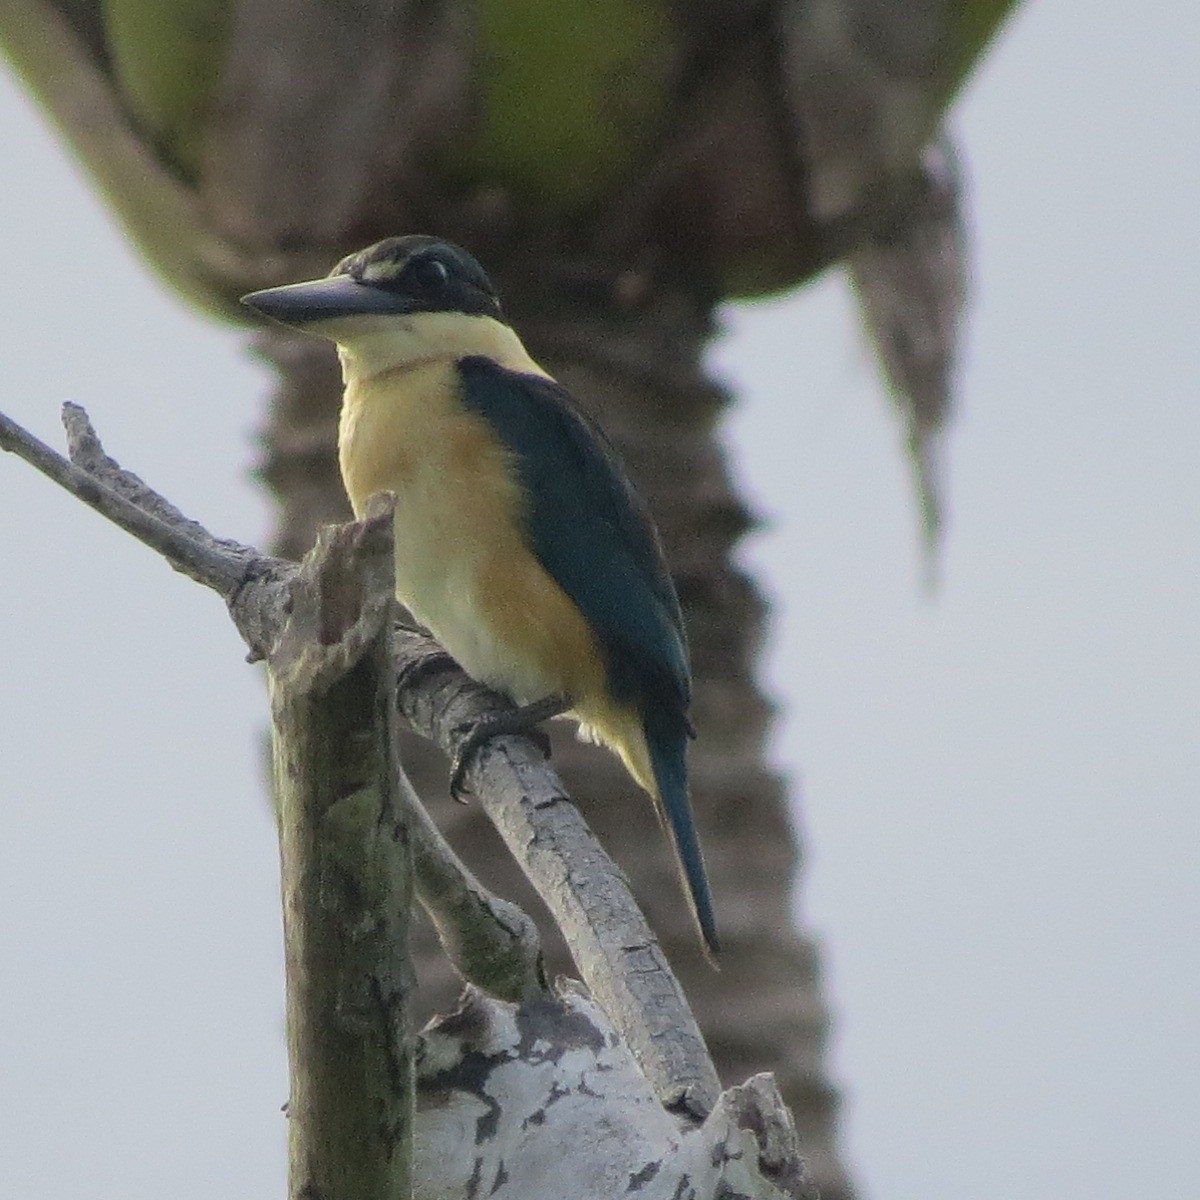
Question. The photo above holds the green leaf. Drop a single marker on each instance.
(571, 97)
(167, 57)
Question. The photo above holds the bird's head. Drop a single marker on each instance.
(401, 300)
(397, 277)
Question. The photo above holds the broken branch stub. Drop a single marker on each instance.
(346, 872)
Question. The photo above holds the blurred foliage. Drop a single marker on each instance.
(566, 110)
(166, 59)
(735, 146)
(570, 98)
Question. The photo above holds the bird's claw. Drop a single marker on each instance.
(480, 733)
(521, 721)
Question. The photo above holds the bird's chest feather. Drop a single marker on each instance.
(457, 494)
(463, 565)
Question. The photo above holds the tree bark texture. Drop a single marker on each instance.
(347, 873)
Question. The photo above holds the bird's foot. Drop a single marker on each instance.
(524, 720)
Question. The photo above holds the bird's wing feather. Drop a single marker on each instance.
(589, 529)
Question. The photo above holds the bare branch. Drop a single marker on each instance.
(549, 1069)
(619, 957)
(491, 941)
(160, 526)
(616, 952)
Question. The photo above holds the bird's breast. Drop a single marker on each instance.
(463, 564)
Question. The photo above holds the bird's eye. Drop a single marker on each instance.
(431, 273)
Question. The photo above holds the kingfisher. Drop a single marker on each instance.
(520, 542)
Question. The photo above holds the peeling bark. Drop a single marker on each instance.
(545, 1101)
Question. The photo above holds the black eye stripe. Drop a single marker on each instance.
(432, 275)
(430, 272)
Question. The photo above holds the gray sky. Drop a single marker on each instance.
(999, 785)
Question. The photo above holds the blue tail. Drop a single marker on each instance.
(670, 773)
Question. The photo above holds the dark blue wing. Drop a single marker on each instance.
(590, 530)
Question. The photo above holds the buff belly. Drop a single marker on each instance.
(463, 567)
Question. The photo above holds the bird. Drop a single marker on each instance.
(520, 542)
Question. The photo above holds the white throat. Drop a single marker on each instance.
(375, 344)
